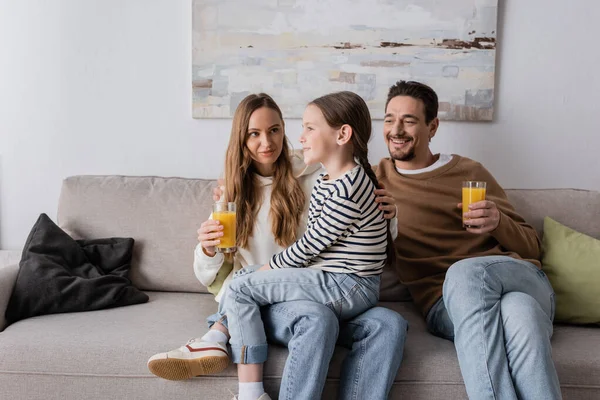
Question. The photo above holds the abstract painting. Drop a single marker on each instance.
(297, 50)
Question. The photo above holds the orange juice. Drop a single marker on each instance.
(471, 193)
(227, 219)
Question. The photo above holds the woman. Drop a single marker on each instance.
(271, 189)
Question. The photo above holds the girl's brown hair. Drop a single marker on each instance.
(242, 185)
(348, 108)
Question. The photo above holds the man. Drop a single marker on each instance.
(480, 286)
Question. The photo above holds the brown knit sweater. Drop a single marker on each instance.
(430, 233)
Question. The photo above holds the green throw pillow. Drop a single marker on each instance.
(571, 261)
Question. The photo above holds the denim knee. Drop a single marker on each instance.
(460, 271)
(324, 323)
(314, 323)
(466, 271)
(381, 320)
(234, 288)
(523, 315)
(388, 321)
(235, 284)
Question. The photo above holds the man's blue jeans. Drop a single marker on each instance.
(498, 311)
(310, 331)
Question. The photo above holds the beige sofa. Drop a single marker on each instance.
(102, 354)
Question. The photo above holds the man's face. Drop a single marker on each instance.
(406, 133)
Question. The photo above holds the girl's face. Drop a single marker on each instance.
(264, 139)
(318, 138)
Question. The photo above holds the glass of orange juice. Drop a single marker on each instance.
(224, 212)
(472, 192)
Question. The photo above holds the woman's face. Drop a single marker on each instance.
(264, 139)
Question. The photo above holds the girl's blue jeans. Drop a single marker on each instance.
(347, 295)
(375, 340)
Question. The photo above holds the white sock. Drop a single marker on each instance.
(250, 390)
(214, 335)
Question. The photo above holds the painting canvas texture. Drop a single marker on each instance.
(297, 50)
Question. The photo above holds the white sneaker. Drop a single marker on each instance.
(193, 359)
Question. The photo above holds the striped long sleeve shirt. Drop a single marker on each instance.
(346, 231)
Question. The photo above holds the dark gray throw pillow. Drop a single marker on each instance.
(58, 274)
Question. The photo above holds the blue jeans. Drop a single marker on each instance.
(498, 311)
(346, 294)
(375, 340)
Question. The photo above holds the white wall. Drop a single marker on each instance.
(103, 87)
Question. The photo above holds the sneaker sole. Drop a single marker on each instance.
(175, 369)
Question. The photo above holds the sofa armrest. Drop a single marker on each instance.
(8, 277)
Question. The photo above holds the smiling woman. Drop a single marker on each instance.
(265, 139)
(258, 145)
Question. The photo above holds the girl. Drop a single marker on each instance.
(262, 176)
(339, 259)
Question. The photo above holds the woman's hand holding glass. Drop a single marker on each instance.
(209, 236)
(210, 231)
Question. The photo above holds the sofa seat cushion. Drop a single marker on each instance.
(575, 351)
(111, 342)
(116, 343)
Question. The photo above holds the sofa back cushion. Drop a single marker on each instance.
(161, 214)
(577, 209)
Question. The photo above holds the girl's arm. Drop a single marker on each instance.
(339, 216)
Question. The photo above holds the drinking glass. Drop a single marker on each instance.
(224, 212)
(472, 192)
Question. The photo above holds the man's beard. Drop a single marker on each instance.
(403, 157)
(400, 156)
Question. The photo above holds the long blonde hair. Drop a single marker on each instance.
(242, 185)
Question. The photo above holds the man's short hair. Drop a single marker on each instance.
(418, 91)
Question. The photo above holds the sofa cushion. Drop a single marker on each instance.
(161, 214)
(117, 343)
(572, 262)
(119, 340)
(536, 204)
(9, 257)
(58, 274)
(8, 277)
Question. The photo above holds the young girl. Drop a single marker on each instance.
(339, 259)
(262, 176)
